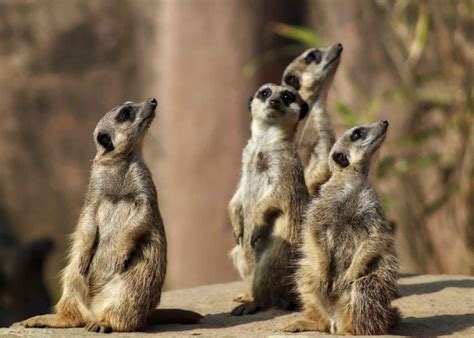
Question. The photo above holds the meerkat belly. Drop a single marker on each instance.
(258, 182)
(112, 219)
(342, 248)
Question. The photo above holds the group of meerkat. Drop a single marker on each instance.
(310, 232)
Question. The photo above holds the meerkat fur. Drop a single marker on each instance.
(266, 211)
(347, 276)
(117, 261)
(312, 74)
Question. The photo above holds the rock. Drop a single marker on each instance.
(431, 305)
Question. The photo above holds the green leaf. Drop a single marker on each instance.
(349, 116)
(384, 166)
(419, 137)
(298, 33)
(272, 55)
(441, 200)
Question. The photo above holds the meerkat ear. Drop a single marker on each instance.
(250, 103)
(341, 159)
(303, 110)
(105, 141)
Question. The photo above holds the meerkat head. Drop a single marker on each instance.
(312, 72)
(122, 129)
(274, 105)
(354, 149)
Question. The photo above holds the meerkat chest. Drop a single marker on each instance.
(114, 214)
(260, 170)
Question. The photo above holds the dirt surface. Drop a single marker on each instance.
(432, 305)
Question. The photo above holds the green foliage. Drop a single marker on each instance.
(300, 34)
(304, 38)
(349, 116)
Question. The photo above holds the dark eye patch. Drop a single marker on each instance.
(359, 133)
(125, 114)
(293, 81)
(341, 159)
(303, 110)
(105, 141)
(288, 97)
(315, 56)
(264, 94)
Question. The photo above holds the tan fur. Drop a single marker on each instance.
(266, 211)
(315, 136)
(347, 275)
(117, 261)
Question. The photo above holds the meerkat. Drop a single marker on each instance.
(117, 261)
(266, 211)
(348, 272)
(312, 74)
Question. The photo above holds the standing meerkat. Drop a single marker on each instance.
(117, 261)
(348, 272)
(312, 74)
(266, 212)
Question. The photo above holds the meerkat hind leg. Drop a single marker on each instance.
(51, 320)
(243, 298)
(306, 325)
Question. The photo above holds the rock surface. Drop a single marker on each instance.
(431, 305)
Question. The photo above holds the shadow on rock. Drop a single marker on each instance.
(433, 326)
(424, 288)
(219, 321)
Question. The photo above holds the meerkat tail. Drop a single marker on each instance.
(372, 313)
(174, 316)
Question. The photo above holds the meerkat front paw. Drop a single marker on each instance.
(84, 264)
(325, 286)
(238, 237)
(342, 286)
(121, 263)
(258, 237)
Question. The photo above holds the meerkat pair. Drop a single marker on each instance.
(311, 74)
(117, 261)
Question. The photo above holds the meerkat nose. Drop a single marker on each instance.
(385, 122)
(153, 101)
(274, 104)
(339, 46)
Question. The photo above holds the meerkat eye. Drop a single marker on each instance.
(264, 93)
(292, 81)
(315, 56)
(288, 97)
(125, 114)
(358, 134)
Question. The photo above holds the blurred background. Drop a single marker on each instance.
(63, 64)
